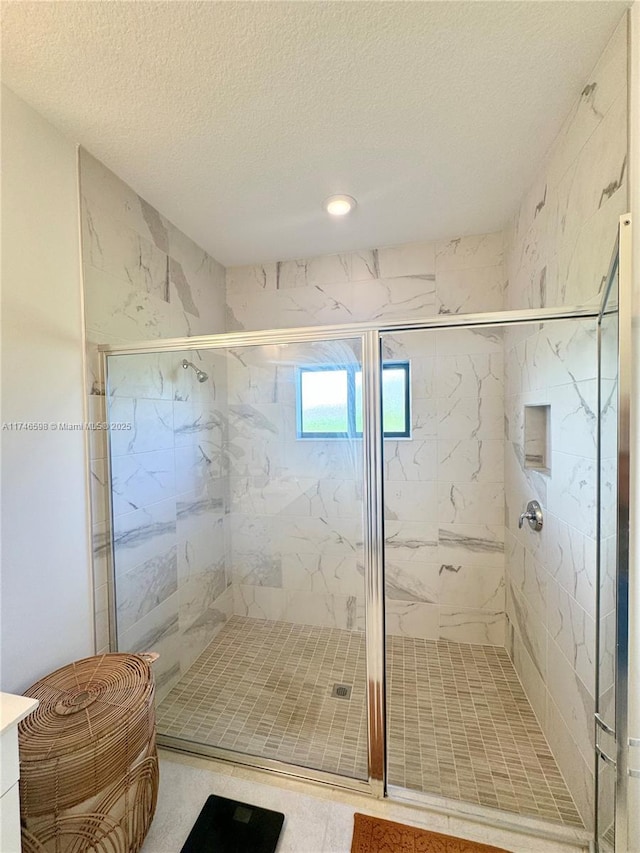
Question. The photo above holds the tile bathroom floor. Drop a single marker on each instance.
(459, 722)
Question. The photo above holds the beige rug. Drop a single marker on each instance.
(374, 835)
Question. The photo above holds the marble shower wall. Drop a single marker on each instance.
(445, 573)
(559, 244)
(558, 252)
(144, 279)
(296, 504)
(444, 490)
(464, 274)
(169, 503)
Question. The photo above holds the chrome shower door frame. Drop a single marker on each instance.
(371, 455)
(370, 336)
(621, 264)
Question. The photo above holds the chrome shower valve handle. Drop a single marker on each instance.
(532, 514)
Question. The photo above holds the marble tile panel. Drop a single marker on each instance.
(470, 418)
(573, 631)
(583, 266)
(411, 580)
(576, 771)
(193, 423)
(255, 534)
(312, 272)
(144, 534)
(141, 479)
(407, 259)
(470, 291)
(472, 587)
(394, 299)
(416, 343)
(144, 587)
(530, 629)
(325, 498)
(424, 419)
(203, 549)
(325, 610)
(529, 674)
(318, 535)
(413, 619)
(464, 625)
(197, 282)
(324, 305)
(606, 82)
(151, 425)
(571, 351)
(572, 494)
(323, 573)
(197, 465)
(255, 277)
(571, 561)
(573, 699)
(260, 602)
(199, 509)
(476, 251)
(470, 544)
(457, 342)
(574, 414)
(410, 500)
(322, 459)
(459, 502)
(409, 541)
(598, 173)
(252, 379)
(198, 595)
(143, 376)
(101, 187)
(480, 375)
(256, 568)
(198, 633)
(110, 245)
(530, 578)
(471, 460)
(117, 309)
(422, 372)
(158, 627)
(364, 265)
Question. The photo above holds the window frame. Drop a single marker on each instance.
(351, 370)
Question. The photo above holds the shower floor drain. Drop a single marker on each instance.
(341, 691)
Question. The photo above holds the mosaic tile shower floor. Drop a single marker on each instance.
(460, 724)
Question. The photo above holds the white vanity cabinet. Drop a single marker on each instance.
(12, 710)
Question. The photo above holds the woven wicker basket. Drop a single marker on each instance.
(88, 759)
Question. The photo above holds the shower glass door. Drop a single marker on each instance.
(611, 725)
(238, 542)
(607, 544)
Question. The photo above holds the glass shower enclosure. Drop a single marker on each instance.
(308, 523)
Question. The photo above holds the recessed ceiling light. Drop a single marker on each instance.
(339, 205)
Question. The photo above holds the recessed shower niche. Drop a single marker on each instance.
(537, 438)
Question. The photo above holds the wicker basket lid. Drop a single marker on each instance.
(94, 718)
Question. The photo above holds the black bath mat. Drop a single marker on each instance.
(227, 826)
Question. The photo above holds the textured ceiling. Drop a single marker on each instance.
(236, 119)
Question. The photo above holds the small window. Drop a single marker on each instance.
(329, 401)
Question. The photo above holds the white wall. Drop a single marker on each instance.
(45, 583)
